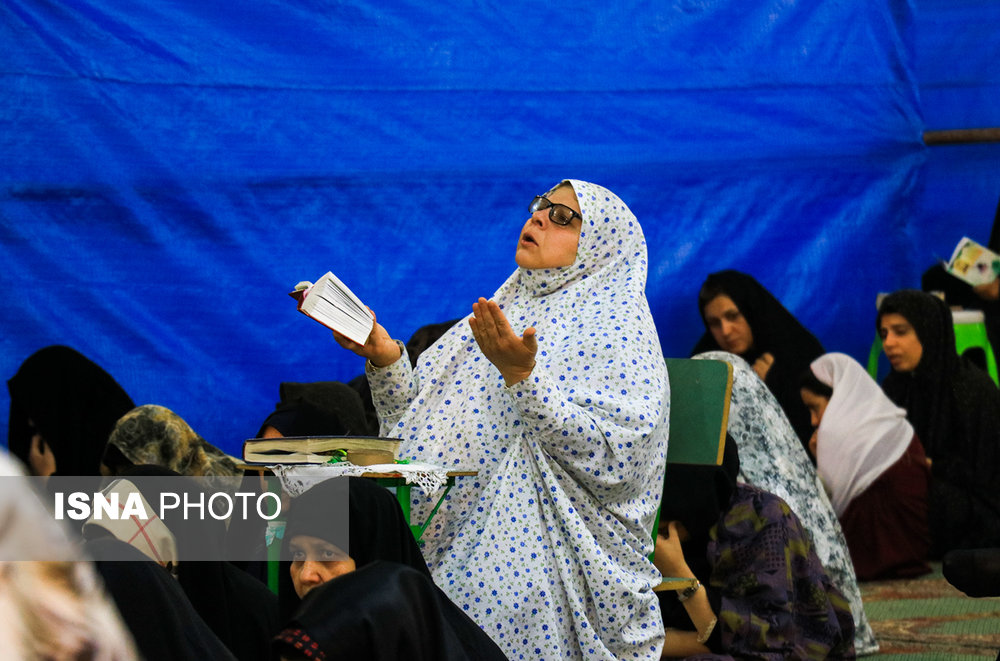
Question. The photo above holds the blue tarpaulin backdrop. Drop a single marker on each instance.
(171, 170)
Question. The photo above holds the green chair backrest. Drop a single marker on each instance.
(700, 392)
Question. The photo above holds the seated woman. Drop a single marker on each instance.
(762, 591)
(382, 611)
(151, 435)
(773, 459)
(957, 293)
(954, 408)
(52, 604)
(873, 466)
(391, 607)
(59, 610)
(743, 318)
(565, 420)
(62, 409)
(376, 527)
(239, 609)
(153, 605)
(317, 408)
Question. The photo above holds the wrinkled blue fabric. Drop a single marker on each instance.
(171, 170)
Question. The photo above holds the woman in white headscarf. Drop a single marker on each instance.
(772, 458)
(874, 467)
(564, 418)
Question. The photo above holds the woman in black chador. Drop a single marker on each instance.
(954, 408)
(743, 318)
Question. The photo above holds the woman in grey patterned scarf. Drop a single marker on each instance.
(773, 459)
(154, 435)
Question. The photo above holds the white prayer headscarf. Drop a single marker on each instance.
(597, 344)
(862, 432)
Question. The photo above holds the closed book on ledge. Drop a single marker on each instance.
(359, 450)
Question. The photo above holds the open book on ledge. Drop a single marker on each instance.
(360, 450)
(331, 303)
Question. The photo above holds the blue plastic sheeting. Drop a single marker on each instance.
(173, 169)
(957, 51)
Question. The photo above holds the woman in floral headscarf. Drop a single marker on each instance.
(565, 419)
(773, 459)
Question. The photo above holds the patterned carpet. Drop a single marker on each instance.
(926, 618)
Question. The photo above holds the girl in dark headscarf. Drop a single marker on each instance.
(762, 591)
(954, 408)
(318, 408)
(62, 409)
(377, 529)
(743, 318)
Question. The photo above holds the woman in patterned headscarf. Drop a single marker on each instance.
(154, 435)
(773, 459)
(756, 569)
(565, 418)
(955, 409)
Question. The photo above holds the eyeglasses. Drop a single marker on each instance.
(560, 214)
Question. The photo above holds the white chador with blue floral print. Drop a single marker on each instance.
(547, 548)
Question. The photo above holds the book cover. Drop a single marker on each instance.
(973, 263)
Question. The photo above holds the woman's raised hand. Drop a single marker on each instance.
(380, 348)
(763, 365)
(513, 355)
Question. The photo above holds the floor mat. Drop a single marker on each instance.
(927, 618)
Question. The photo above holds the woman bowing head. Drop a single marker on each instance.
(556, 392)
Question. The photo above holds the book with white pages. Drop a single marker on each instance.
(330, 302)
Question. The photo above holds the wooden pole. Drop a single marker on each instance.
(961, 136)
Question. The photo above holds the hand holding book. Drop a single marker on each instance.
(330, 302)
(379, 348)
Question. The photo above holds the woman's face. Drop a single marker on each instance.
(316, 561)
(816, 405)
(544, 244)
(900, 342)
(728, 325)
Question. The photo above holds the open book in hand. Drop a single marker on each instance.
(973, 263)
(332, 304)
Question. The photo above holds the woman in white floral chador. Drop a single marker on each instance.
(566, 423)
